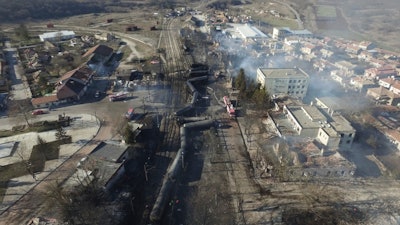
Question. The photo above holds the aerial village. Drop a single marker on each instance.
(320, 88)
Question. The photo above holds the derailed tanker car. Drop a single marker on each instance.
(199, 123)
(195, 95)
(175, 169)
(199, 69)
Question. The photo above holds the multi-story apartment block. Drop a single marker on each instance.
(284, 82)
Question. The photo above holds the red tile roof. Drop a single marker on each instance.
(394, 134)
(81, 73)
(44, 100)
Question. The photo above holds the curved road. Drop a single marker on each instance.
(298, 19)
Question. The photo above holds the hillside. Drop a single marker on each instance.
(23, 11)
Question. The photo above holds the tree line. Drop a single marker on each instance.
(250, 92)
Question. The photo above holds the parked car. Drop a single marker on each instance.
(38, 112)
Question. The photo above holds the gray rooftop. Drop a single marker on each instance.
(334, 103)
(341, 124)
(57, 33)
(283, 72)
(7, 149)
(311, 117)
(109, 151)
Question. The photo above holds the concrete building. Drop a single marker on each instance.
(332, 131)
(108, 159)
(247, 32)
(282, 32)
(57, 36)
(361, 84)
(284, 82)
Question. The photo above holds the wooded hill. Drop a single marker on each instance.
(23, 10)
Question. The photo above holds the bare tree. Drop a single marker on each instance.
(22, 153)
(21, 110)
(82, 201)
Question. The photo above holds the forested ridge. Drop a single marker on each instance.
(23, 10)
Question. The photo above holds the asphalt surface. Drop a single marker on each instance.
(83, 129)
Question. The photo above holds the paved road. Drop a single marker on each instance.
(23, 200)
(19, 88)
(109, 113)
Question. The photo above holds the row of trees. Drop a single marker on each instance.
(251, 92)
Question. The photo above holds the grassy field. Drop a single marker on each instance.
(326, 11)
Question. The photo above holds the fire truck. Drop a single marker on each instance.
(129, 113)
(120, 96)
(229, 107)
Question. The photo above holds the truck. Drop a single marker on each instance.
(120, 96)
(129, 113)
(229, 107)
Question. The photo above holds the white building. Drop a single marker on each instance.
(333, 131)
(246, 32)
(284, 82)
(57, 35)
(282, 32)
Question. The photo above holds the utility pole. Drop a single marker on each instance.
(144, 105)
(145, 172)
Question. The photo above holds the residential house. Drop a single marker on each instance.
(99, 54)
(386, 82)
(308, 48)
(315, 162)
(340, 77)
(395, 87)
(45, 101)
(381, 72)
(366, 45)
(70, 90)
(326, 53)
(69, 87)
(321, 65)
(346, 68)
(393, 136)
(353, 49)
(81, 74)
(376, 62)
(366, 55)
(291, 40)
(340, 44)
(327, 41)
(104, 36)
(360, 83)
(383, 96)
